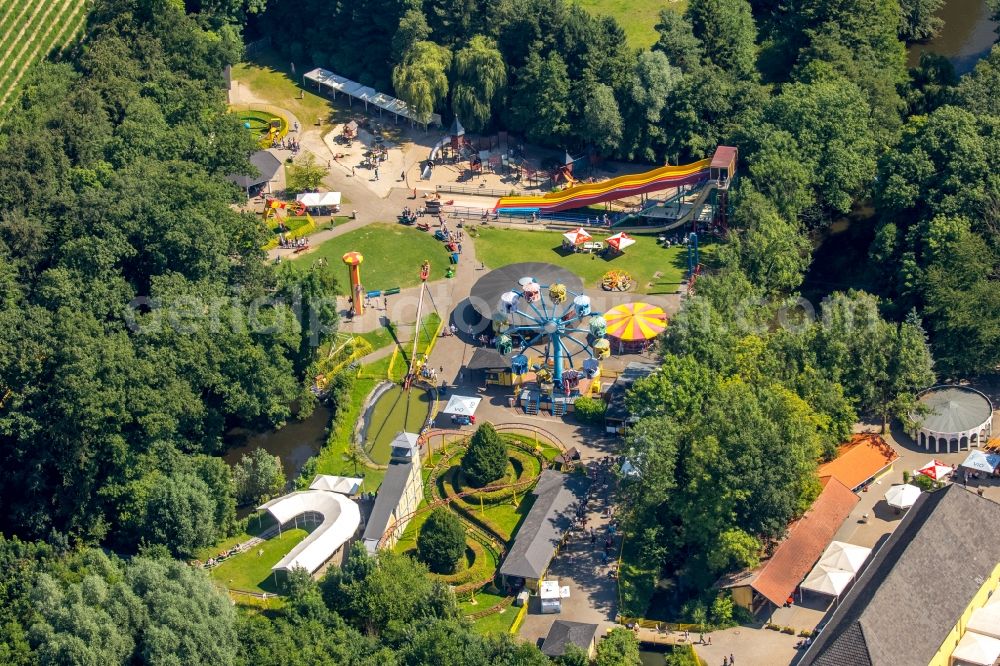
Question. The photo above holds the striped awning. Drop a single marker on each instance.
(635, 321)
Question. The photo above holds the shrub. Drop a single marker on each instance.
(788, 630)
(805, 633)
(589, 410)
(441, 541)
(906, 476)
(486, 459)
(721, 613)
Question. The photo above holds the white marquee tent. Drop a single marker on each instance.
(976, 649)
(845, 556)
(462, 405)
(313, 199)
(827, 580)
(345, 485)
(335, 83)
(986, 621)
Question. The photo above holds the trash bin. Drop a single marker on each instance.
(354, 214)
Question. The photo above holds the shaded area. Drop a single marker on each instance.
(840, 262)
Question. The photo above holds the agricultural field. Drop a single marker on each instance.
(31, 30)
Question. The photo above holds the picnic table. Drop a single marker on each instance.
(592, 246)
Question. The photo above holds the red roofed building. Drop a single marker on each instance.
(866, 458)
(775, 580)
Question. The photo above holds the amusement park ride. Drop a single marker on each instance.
(559, 326)
(353, 261)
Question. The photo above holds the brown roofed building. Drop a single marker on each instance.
(774, 581)
(866, 458)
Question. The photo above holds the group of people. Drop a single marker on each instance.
(223, 556)
(292, 242)
(289, 144)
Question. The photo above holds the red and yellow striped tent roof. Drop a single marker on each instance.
(635, 321)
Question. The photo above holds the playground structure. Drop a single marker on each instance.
(710, 177)
(291, 221)
(617, 280)
(266, 127)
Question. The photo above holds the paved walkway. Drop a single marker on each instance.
(583, 567)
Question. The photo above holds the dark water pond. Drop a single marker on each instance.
(967, 35)
(294, 444)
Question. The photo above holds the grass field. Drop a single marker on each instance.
(494, 624)
(395, 410)
(637, 17)
(31, 30)
(250, 570)
(269, 78)
(499, 247)
(332, 457)
(393, 254)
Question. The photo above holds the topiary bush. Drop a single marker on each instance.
(486, 459)
(441, 541)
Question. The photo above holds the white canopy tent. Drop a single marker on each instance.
(323, 78)
(462, 405)
(982, 462)
(986, 621)
(976, 649)
(902, 496)
(338, 519)
(845, 556)
(827, 580)
(313, 199)
(345, 485)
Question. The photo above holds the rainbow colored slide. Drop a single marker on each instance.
(582, 195)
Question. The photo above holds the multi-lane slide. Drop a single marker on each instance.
(582, 195)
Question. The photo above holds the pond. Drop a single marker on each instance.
(967, 35)
(394, 410)
(294, 444)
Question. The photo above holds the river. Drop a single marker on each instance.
(967, 35)
(294, 444)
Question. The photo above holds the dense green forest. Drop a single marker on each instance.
(115, 211)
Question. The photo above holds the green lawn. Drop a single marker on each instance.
(332, 457)
(495, 623)
(256, 524)
(393, 254)
(637, 17)
(267, 75)
(499, 247)
(251, 571)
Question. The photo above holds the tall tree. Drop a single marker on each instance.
(918, 19)
(480, 80)
(727, 33)
(539, 104)
(485, 460)
(421, 79)
(602, 122)
(441, 541)
(258, 477)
